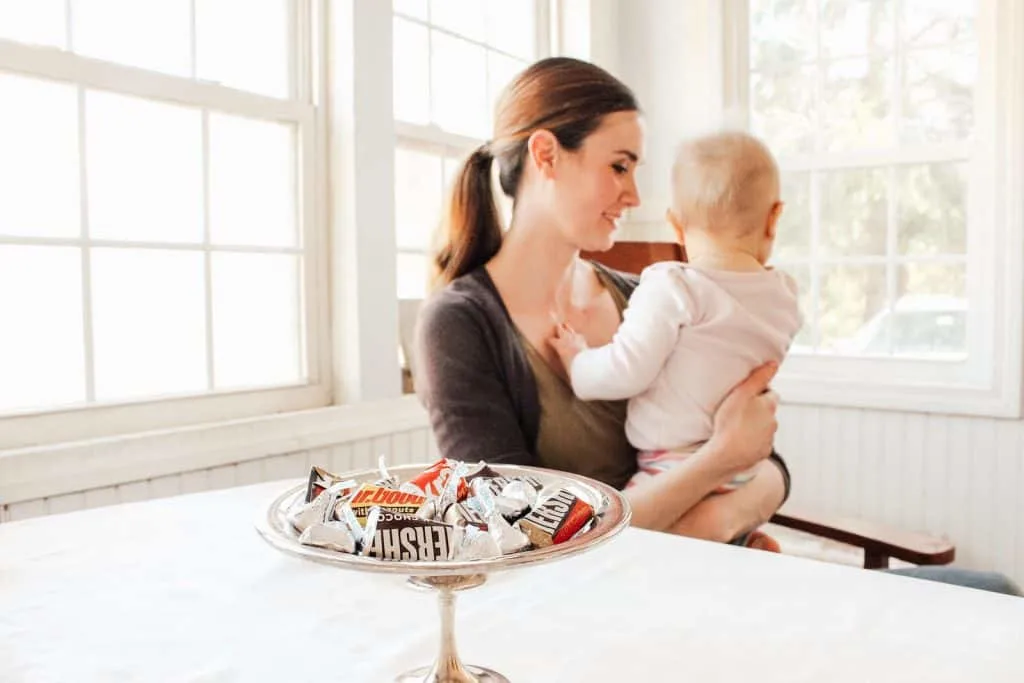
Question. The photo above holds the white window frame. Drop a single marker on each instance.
(303, 110)
(989, 382)
(434, 140)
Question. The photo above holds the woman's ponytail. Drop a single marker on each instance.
(471, 229)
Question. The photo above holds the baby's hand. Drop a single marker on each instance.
(567, 343)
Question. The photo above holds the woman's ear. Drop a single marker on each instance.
(772, 222)
(678, 227)
(543, 149)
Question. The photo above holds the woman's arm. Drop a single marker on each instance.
(723, 518)
(744, 428)
(458, 381)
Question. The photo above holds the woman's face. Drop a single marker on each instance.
(594, 185)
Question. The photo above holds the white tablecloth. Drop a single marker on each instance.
(183, 589)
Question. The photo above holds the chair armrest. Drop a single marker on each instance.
(879, 542)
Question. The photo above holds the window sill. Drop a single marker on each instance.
(1000, 402)
(42, 471)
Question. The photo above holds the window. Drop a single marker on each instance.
(452, 58)
(156, 222)
(885, 116)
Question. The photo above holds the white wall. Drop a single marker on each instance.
(956, 476)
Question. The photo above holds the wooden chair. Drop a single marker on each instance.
(878, 541)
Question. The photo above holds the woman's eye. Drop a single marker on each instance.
(620, 169)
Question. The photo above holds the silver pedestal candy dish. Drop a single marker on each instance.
(612, 516)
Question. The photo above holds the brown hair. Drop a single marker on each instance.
(566, 96)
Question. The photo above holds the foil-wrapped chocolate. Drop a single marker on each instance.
(320, 479)
(481, 471)
(320, 509)
(331, 535)
(520, 490)
(464, 514)
(473, 544)
(386, 479)
(509, 539)
(556, 519)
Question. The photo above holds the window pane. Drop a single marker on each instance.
(782, 109)
(257, 320)
(413, 8)
(854, 212)
(248, 55)
(144, 165)
(793, 238)
(154, 35)
(932, 201)
(413, 273)
(856, 104)
(804, 340)
(452, 166)
(852, 301)
(500, 72)
(39, 22)
(930, 314)
(149, 323)
(459, 97)
(938, 22)
(418, 194)
(512, 27)
(781, 31)
(38, 158)
(464, 17)
(411, 72)
(252, 182)
(938, 95)
(856, 27)
(42, 362)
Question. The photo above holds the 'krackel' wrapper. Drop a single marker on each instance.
(556, 519)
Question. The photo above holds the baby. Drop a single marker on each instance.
(693, 331)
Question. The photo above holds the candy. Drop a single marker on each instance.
(411, 538)
(449, 511)
(320, 479)
(556, 519)
(330, 535)
(433, 480)
(473, 544)
(389, 500)
(321, 509)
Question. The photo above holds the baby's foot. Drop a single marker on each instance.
(762, 541)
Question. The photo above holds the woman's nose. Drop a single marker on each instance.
(631, 195)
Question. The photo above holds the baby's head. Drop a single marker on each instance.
(725, 194)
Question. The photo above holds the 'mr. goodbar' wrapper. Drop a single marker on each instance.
(388, 500)
(556, 519)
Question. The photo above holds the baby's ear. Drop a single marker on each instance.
(678, 227)
(772, 222)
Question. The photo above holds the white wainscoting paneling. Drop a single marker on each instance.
(409, 446)
(959, 477)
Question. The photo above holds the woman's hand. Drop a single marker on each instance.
(745, 422)
(724, 517)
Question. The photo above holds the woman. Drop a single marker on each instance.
(567, 144)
